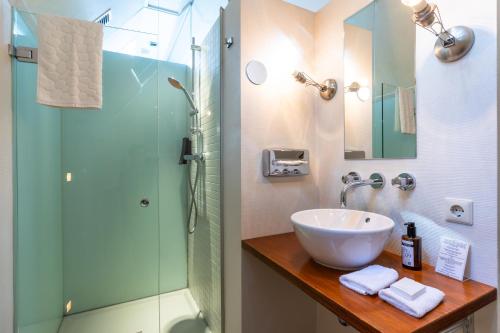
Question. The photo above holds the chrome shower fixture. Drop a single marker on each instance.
(452, 44)
(327, 89)
(176, 84)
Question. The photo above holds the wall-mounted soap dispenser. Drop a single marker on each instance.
(284, 162)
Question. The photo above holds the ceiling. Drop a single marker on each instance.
(122, 10)
(143, 31)
(311, 5)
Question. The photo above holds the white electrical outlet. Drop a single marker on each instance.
(459, 211)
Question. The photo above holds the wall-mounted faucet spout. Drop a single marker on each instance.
(353, 180)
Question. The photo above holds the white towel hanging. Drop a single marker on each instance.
(404, 115)
(69, 62)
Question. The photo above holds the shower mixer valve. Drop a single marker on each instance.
(195, 157)
(196, 130)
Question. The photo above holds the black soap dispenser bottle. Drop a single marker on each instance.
(411, 248)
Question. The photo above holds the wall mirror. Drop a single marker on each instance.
(256, 72)
(379, 82)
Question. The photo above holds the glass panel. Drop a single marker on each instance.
(83, 238)
(205, 243)
(395, 143)
(197, 309)
(379, 52)
(39, 270)
(394, 78)
(102, 202)
(110, 240)
(173, 119)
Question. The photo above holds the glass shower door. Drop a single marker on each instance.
(87, 202)
(37, 200)
(203, 299)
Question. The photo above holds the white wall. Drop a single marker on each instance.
(231, 168)
(498, 154)
(6, 198)
(279, 113)
(457, 138)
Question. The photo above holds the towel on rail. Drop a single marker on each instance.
(404, 115)
(69, 63)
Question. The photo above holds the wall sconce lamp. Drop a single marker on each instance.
(452, 44)
(327, 90)
(362, 92)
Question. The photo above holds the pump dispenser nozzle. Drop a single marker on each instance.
(411, 230)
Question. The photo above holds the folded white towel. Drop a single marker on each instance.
(416, 308)
(69, 62)
(369, 280)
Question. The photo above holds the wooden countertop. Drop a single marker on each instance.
(285, 255)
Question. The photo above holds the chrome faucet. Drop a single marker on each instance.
(353, 180)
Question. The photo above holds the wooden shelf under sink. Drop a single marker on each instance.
(286, 256)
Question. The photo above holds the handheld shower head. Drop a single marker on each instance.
(177, 85)
(174, 83)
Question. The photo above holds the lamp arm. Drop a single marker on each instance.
(311, 82)
(453, 43)
(436, 27)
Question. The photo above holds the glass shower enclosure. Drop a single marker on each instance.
(101, 201)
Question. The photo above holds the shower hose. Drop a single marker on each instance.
(193, 205)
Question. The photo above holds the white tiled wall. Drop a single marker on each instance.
(457, 140)
(204, 273)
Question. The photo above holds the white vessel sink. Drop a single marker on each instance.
(341, 238)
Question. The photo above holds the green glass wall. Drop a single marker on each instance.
(111, 243)
(38, 201)
(81, 233)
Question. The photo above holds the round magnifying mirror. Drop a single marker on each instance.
(256, 72)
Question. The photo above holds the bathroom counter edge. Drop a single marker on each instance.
(285, 255)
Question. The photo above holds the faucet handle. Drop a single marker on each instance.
(405, 182)
(378, 180)
(351, 177)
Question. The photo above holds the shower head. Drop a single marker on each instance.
(177, 85)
